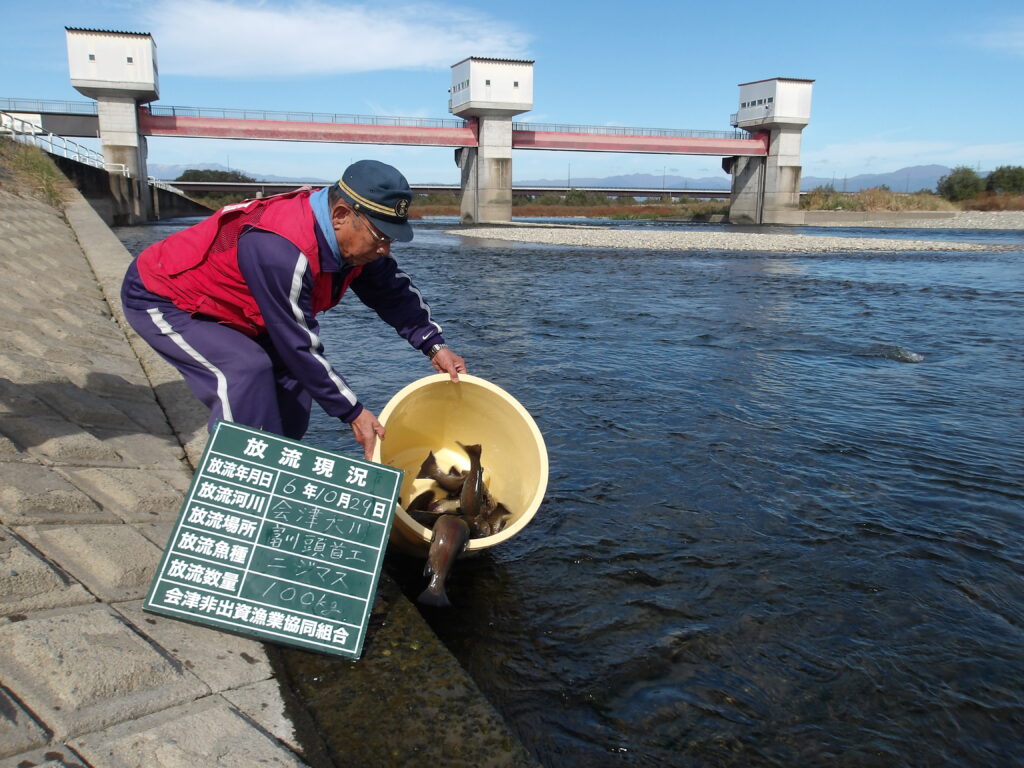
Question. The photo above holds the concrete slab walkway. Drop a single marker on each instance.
(97, 444)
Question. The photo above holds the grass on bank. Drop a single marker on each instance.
(884, 199)
(214, 201)
(874, 199)
(989, 202)
(25, 167)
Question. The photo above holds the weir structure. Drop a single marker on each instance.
(766, 190)
(119, 70)
(492, 91)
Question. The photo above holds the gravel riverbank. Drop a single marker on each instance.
(697, 240)
(923, 219)
(691, 240)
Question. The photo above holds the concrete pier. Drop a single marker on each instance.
(766, 190)
(124, 145)
(98, 438)
(487, 173)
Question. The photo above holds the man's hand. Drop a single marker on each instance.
(366, 429)
(446, 361)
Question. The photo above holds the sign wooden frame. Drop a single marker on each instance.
(278, 540)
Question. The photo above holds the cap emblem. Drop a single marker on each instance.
(402, 208)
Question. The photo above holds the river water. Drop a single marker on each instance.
(785, 518)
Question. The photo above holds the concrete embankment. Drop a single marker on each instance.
(113, 196)
(97, 442)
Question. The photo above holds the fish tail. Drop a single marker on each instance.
(434, 595)
(473, 451)
(429, 467)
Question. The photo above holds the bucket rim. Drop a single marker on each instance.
(483, 542)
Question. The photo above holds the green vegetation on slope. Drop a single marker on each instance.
(24, 167)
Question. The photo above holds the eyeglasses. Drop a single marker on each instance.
(380, 239)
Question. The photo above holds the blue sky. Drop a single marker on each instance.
(897, 83)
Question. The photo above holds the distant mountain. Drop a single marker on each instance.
(912, 179)
(171, 172)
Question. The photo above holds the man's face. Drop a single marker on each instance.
(358, 240)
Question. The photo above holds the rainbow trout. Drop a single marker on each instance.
(451, 482)
(484, 516)
(450, 537)
(419, 509)
(471, 498)
(444, 507)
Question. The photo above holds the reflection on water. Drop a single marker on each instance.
(784, 519)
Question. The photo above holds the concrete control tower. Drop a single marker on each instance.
(491, 91)
(766, 190)
(119, 70)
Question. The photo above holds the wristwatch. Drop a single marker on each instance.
(435, 349)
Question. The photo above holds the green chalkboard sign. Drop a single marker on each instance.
(278, 540)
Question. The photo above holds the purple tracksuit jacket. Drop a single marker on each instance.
(221, 365)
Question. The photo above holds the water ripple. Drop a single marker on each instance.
(784, 520)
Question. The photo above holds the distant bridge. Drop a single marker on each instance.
(263, 188)
(79, 119)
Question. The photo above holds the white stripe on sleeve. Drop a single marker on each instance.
(301, 264)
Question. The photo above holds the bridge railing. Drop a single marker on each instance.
(621, 130)
(427, 122)
(47, 105)
(28, 133)
(303, 117)
(89, 108)
(155, 182)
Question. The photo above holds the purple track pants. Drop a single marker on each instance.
(238, 378)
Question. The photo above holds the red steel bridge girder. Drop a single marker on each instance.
(667, 145)
(355, 133)
(281, 130)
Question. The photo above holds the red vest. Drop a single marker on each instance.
(197, 268)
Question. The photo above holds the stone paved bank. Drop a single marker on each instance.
(97, 442)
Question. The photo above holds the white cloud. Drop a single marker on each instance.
(885, 156)
(1007, 38)
(226, 38)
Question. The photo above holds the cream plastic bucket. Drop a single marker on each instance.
(435, 414)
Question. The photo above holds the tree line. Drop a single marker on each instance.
(964, 183)
(195, 174)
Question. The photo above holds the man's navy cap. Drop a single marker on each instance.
(380, 192)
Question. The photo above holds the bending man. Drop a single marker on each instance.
(231, 302)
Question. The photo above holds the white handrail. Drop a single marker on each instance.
(29, 133)
(164, 185)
